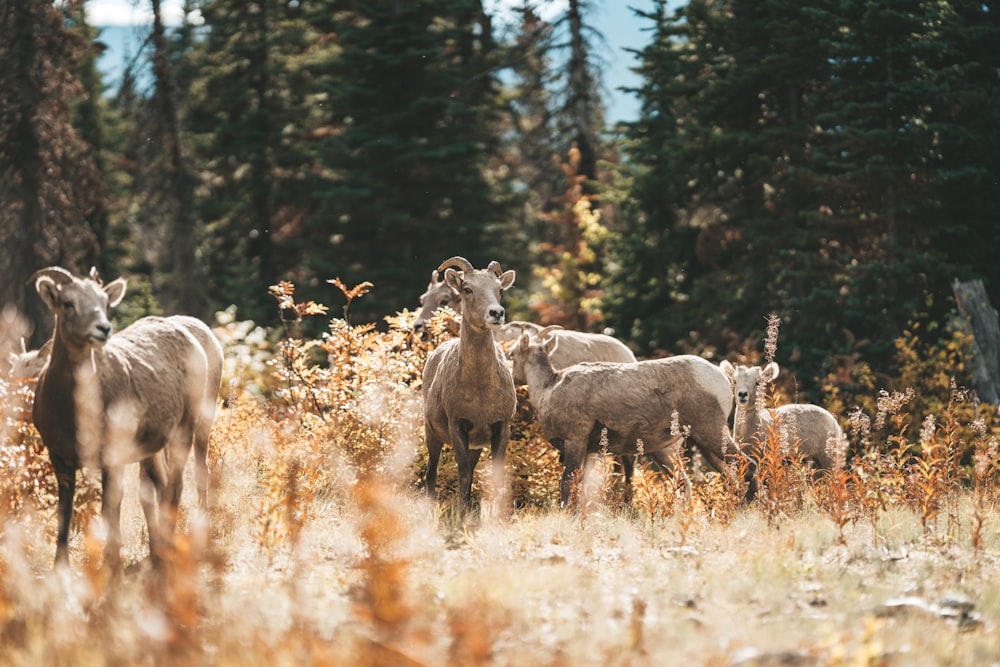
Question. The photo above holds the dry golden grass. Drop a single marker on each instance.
(320, 548)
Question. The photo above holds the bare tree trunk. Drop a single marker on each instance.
(980, 319)
(582, 91)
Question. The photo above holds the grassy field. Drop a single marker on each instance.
(320, 549)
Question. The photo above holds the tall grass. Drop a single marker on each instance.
(319, 546)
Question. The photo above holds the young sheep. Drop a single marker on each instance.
(635, 401)
(141, 395)
(809, 427)
(469, 397)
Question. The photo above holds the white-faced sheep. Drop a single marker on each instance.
(469, 397)
(627, 403)
(810, 428)
(143, 395)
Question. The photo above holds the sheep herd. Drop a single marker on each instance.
(149, 394)
(591, 394)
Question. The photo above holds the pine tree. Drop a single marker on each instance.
(50, 186)
(411, 100)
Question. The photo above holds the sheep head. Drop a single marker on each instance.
(80, 306)
(437, 295)
(747, 380)
(479, 290)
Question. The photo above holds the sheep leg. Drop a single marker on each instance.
(201, 438)
(668, 463)
(66, 480)
(175, 457)
(574, 459)
(112, 483)
(150, 495)
(499, 437)
(466, 460)
(433, 455)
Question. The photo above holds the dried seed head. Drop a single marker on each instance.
(771, 342)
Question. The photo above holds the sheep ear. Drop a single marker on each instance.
(728, 369)
(115, 291)
(770, 372)
(506, 280)
(48, 289)
(454, 279)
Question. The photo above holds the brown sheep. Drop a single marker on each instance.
(142, 395)
(469, 397)
(811, 428)
(627, 403)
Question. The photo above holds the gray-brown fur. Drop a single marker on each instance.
(437, 295)
(567, 347)
(145, 394)
(631, 401)
(469, 397)
(810, 428)
(28, 364)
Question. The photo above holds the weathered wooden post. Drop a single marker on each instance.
(982, 321)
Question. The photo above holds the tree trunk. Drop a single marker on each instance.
(980, 318)
(183, 293)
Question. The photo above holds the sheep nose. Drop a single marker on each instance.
(104, 329)
(418, 326)
(743, 396)
(495, 313)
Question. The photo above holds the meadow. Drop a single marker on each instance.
(320, 548)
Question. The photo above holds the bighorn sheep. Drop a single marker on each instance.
(566, 348)
(141, 395)
(627, 402)
(811, 428)
(437, 295)
(469, 397)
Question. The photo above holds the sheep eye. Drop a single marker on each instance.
(467, 290)
(67, 305)
(444, 302)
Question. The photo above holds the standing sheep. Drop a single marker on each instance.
(469, 397)
(103, 401)
(629, 402)
(809, 427)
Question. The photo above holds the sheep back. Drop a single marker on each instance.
(811, 427)
(154, 378)
(637, 401)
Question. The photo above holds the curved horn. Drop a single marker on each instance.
(95, 276)
(461, 262)
(60, 275)
(495, 267)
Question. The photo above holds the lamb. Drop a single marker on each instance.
(626, 403)
(469, 397)
(811, 428)
(141, 395)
